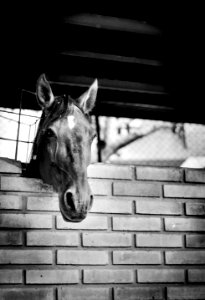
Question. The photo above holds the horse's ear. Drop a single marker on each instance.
(87, 100)
(44, 92)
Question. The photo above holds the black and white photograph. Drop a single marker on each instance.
(102, 151)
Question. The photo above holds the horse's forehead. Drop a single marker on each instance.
(73, 122)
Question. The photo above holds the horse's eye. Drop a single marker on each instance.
(93, 135)
(50, 133)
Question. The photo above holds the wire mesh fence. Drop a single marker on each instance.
(17, 132)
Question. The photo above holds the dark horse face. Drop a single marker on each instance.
(62, 147)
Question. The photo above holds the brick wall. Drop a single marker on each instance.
(144, 238)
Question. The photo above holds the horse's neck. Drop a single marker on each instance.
(32, 167)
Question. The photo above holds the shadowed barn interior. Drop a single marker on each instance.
(146, 57)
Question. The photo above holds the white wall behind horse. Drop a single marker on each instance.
(195, 138)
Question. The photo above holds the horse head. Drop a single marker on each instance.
(62, 147)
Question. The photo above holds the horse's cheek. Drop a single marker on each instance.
(88, 154)
(45, 162)
(45, 171)
(51, 150)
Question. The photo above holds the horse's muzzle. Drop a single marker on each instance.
(74, 207)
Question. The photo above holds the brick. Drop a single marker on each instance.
(160, 275)
(162, 174)
(11, 238)
(159, 240)
(184, 191)
(46, 238)
(196, 275)
(112, 206)
(43, 203)
(52, 276)
(84, 293)
(138, 293)
(82, 257)
(136, 257)
(195, 175)
(11, 276)
(184, 224)
(21, 184)
(195, 240)
(186, 293)
(100, 186)
(195, 209)
(91, 222)
(107, 239)
(109, 171)
(137, 223)
(25, 221)
(136, 189)
(108, 276)
(25, 257)
(185, 257)
(10, 202)
(10, 166)
(158, 207)
(27, 293)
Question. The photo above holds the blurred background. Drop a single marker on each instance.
(148, 59)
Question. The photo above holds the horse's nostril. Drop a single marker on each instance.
(91, 201)
(69, 201)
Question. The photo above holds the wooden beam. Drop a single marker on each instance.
(111, 23)
(137, 110)
(140, 106)
(128, 86)
(111, 57)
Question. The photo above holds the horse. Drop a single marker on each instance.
(61, 151)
